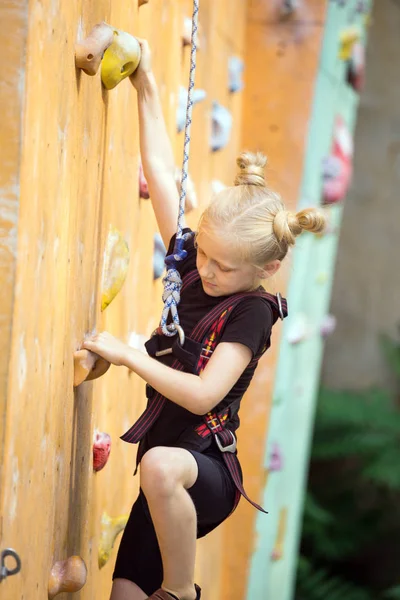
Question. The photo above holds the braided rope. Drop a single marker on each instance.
(172, 280)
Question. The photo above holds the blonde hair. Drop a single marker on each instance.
(254, 218)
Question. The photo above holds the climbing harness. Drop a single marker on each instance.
(198, 349)
(172, 280)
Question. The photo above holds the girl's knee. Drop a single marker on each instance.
(163, 469)
(158, 473)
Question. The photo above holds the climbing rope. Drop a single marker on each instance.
(172, 280)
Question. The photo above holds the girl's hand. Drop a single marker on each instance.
(109, 347)
(144, 69)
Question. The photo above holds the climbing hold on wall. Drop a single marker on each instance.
(120, 59)
(221, 127)
(348, 38)
(197, 96)
(191, 196)
(115, 266)
(88, 366)
(158, 256)
(67, 576)
(322, 277)
(288, 7)
(338, 166)
(277, 551)
(143, 187)
(187, 33)
(356, 67)
(235, 72)
(101, 449)
(217, 186)
(275, 459)
(328, 325)
(88, 54)
(110, 528)
(141, 2)
(137, 341)
(362, 7)
(300, 330)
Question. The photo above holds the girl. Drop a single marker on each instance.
(187, 487)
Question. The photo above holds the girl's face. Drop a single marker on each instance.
(221, 270)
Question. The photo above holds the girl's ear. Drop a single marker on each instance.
(270, 269)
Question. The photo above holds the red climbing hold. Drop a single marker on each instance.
(338, 166)
(101, 449)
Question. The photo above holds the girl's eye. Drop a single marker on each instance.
(225, 270)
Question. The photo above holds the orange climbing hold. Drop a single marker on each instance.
(88, 54)
(88, 366)
(67, 576)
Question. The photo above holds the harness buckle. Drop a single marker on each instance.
(181, 334)
(280, 308)
(231, 447)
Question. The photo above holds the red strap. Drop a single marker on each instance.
(232, 463)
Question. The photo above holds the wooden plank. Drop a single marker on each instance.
(13, 38)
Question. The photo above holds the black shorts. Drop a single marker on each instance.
(214, 496)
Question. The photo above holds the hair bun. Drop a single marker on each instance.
(287, 225)
(252, 166)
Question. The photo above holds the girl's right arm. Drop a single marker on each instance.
(155, 148)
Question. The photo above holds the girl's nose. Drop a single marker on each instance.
(205, 271)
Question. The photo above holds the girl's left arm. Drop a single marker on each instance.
(196, 393)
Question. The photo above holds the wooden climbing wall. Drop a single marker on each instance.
(73, 173)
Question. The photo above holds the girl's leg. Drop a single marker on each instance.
(138, 569)
(165, 476)
(123, 589)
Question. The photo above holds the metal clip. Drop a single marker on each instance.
(231, 447)
(181, 334)
(4, 572)
(280, 308)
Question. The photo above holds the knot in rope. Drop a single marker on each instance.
(171, 298)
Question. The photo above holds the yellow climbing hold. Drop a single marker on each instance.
(348, 38)
(120, 59)
(115, 267)
(277, 551)
(110, 528)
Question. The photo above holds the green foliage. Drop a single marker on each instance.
(365, 425)
(319, 584)
(354, 488)
(392, 594)
(391, 350)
